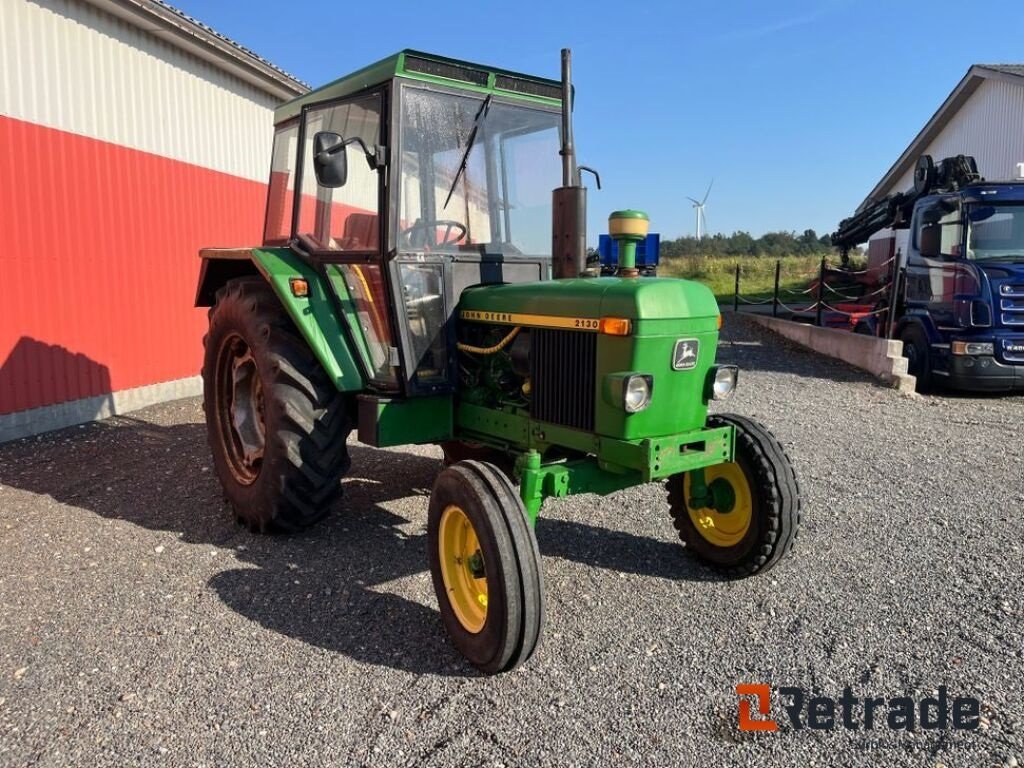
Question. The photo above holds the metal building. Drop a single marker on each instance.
(983, 117)
(131, 135)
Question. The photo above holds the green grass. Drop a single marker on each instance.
(757, 275)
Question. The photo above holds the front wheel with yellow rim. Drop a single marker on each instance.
(742, 517)
(485, 566)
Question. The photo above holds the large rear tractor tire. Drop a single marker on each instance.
(485, 566)
(759, 513)
(276, 424)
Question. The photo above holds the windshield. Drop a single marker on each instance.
(995, 233)
(476, 174)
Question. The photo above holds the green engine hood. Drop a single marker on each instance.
(652, 304)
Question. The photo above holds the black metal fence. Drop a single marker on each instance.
(823, 295)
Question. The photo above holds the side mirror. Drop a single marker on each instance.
(929, 241)
(330, 161)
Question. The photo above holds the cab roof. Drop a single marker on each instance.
(993, 192)
(429, 67)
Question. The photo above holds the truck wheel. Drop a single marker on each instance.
(485, 566)
(761, 504)
(916, 349)
(276, 424)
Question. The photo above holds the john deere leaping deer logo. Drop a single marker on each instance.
(684, 356)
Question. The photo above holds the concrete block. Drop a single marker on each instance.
(882, 358)
(902, 383)
(60, 415)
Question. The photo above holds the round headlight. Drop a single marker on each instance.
(724, 382)
(637, 395)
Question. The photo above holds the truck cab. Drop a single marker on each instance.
(962, 313)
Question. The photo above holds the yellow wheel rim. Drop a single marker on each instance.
(723, 529)
(462, 568)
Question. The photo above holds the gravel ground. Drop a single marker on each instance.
(140, 625)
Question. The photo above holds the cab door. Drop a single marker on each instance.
(936, 246)
(340, 224)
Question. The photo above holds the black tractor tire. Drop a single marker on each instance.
(461, 450)
(291, 481)
(774, 517)
(508, 629)
(917, 351)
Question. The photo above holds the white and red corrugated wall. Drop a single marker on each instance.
(130, 136)
(982, 117)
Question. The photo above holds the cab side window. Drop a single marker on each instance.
(281, 188)
(939, 231)
(344, 218)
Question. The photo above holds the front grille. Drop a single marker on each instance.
(562, 372)
(1011, 304)
(1013, 350)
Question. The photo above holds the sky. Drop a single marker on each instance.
(795, 108)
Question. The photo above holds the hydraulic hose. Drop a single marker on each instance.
(490, 350)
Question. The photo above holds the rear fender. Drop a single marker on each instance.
(314, 315)
(218, 266)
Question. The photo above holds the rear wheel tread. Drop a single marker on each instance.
(307, 418)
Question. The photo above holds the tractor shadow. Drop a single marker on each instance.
(620, 551)
(330, 586)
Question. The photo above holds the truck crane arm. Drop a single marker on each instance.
(894, 210)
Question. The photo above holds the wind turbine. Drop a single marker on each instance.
(698, 206)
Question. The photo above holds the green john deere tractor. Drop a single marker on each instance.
(419, 282)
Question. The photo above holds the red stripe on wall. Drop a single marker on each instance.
(98, 249)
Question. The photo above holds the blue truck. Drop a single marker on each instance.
(648, 252)
(956, 296)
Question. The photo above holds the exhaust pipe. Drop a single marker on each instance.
(569, 210)
(570, 176)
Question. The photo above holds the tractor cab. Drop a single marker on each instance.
(418, 177)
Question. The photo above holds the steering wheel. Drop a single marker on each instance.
(429, 229)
